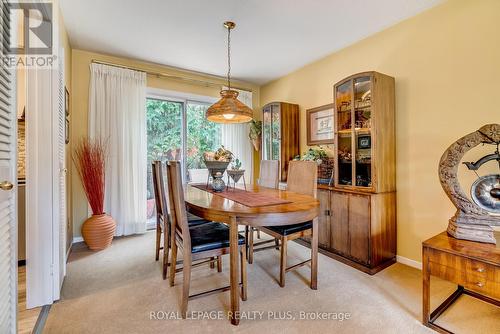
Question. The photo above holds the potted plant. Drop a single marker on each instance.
(236, 172)
(315, 154)
(89, 158)
(255, 134)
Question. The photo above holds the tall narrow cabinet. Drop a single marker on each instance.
(358, 213)
(280, 134)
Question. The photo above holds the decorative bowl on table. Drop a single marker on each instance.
(215, 167)
(217, 162)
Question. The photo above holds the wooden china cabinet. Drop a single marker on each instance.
(280, 134)
(358, 213)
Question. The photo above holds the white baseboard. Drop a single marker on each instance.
(409, 262)
(77, 239)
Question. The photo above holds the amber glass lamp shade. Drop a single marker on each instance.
(229, 109)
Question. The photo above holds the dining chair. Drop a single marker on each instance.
(163, 218)
(269, 173)
(302, 179)
(269, 178)
(196, 242)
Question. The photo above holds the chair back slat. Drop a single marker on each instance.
(303, 177)
(178, 211)
(269, 173)
(159, 189)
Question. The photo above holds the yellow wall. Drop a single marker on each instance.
(446, 63)
(79, 104)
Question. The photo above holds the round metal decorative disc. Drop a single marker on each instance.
(485, 192)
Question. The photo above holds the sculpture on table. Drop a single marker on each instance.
(474, 219)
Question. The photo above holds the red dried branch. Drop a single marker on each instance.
(89, 158)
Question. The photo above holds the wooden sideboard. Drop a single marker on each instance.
(473, 266)
(358, 228)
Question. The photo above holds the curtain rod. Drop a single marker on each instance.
(167, 76)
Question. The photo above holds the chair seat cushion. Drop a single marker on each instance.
(195, 220)
(210, 235)
(290, 229)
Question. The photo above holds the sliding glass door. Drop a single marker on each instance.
(178, 130)
(201, 136)
(164, 136)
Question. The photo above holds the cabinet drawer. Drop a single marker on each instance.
(474, 275)
(479, 282)
(464, 264)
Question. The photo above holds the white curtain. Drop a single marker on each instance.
(235, 138)
(117, 113)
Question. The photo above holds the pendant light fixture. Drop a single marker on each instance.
(229, 109)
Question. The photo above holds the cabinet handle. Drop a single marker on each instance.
(480, 284)
(480, 270)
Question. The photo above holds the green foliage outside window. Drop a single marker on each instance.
(164, 134)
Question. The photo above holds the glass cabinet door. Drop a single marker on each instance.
(275, 132)
(343, 100)
(271, 132)
(362, 127)
(266, 133)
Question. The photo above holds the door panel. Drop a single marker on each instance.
(339, 222)
(359, 227)
(8, 218)
(323, 219)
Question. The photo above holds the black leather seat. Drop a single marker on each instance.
(210, 235)
(290, 229)
(195, 220)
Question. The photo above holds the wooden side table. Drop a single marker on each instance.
(473, 266)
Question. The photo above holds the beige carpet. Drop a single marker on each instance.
(116, 290)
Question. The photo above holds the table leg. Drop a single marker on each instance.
(314, 255)
(233, 269)
(425, 288)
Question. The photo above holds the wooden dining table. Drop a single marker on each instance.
(298, 209)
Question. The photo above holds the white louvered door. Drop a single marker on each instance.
(60, 141)
(8, 218)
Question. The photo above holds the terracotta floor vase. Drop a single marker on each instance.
(98, 231)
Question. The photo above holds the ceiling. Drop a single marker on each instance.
(272, 38)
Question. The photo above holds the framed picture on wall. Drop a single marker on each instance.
(320, 125)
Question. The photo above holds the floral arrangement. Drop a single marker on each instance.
(317, 155)
(222, 154)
